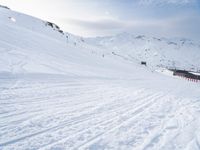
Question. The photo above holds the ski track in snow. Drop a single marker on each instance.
(93, 114)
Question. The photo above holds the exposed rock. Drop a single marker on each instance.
(4, 7)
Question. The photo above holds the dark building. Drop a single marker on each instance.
(143, 63)
(186, 74)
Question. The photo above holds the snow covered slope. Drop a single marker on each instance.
(157, 52)
(63, 92)
(32, 45)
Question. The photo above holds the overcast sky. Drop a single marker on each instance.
(169, 18)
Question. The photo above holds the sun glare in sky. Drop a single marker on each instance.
(174, 18)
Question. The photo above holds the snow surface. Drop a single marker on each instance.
(63, 92)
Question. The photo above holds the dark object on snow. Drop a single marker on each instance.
(144, 63)
(140, 37)
(186, 74)
(4, 7)
(61, 31)
(54, 26)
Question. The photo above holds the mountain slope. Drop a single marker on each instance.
(63, 92)
(32, 45)
(157, 52)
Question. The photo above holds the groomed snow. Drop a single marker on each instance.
(40, 111)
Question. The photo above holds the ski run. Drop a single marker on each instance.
(61, 92)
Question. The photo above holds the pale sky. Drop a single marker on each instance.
(163, 18)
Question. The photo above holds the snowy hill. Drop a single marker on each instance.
(59, 91)
(32, 45)
(157, 52)
(19, 57)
